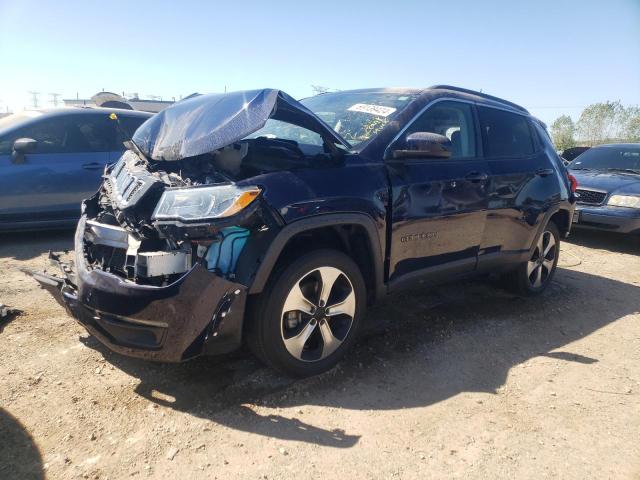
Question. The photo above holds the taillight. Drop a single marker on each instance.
(573, 181)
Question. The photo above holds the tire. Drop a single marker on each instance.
(534, 276)
(294, 340)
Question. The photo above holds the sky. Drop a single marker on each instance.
(553, 57)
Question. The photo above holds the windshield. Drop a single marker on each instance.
(288, 131)
(608, 158)
(357, 116)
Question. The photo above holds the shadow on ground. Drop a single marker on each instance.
(421, 347)
(613, 242)
(19, 456)
(10, 315)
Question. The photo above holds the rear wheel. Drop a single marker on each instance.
(309, 314)
(533, 276)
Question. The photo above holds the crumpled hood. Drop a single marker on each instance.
(206, 123)
(608, 181)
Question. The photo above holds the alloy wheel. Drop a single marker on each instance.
(318, 314)
(541, 264)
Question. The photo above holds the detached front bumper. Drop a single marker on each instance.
(614, 219)
(199, 313)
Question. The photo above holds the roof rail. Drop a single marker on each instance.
(480, 94)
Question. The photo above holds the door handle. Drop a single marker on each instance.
(544, 172)
(92, 166)
(477, 177)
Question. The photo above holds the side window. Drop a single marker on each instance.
(89, 133)
(6, 144)
(452, 119)
(66, 134)
(50, 134)
(505, 134)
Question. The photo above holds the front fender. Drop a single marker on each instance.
(326, 220)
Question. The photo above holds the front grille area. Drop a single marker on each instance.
(591, 197)
(129, 181)
(132, 191)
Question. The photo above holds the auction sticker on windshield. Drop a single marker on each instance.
(378, 110)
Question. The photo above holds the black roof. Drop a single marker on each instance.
(480, 95)
(460, 92)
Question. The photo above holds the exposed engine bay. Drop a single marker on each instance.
(181, 194)
(123, 237)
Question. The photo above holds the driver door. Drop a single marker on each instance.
(439, 206)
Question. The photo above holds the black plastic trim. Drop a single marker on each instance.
(319, 221)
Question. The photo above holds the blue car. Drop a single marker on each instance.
(609, 188)
(51, 159)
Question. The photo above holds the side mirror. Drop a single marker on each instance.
(21, 147)
(425, 145)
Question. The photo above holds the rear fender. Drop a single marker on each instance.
(543, 224)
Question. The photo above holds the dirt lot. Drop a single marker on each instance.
(460, 381)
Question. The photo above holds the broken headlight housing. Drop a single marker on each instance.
(200, 203)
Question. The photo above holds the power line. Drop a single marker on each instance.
(34, 98)
(54, 98)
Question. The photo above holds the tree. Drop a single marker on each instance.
(631, 129)
(562, 131)
(600, 122)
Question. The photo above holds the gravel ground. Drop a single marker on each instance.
(465, 380)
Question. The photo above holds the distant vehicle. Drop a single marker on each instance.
(609, 188)
(570, 153)
(51, 159)
(251, 217)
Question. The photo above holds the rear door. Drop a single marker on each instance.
(521, 187)
(66, 167)
(438, 206)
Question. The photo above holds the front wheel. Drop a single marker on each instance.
(534, 276)
(309, 314)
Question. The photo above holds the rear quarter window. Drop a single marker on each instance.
(505, 134)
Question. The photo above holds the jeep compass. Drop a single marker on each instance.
(250, 217)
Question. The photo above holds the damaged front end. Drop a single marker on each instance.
(165, 290)
(167, 248)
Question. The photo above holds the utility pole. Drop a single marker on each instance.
(54, 98)
(34, 98)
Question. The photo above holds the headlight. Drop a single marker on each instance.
(203, 202)
(630, 201)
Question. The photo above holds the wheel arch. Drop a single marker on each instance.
(562, 219)
(343, 230)
(560, 216)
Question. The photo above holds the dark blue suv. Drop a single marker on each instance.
(50, 160)
(252, 217)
